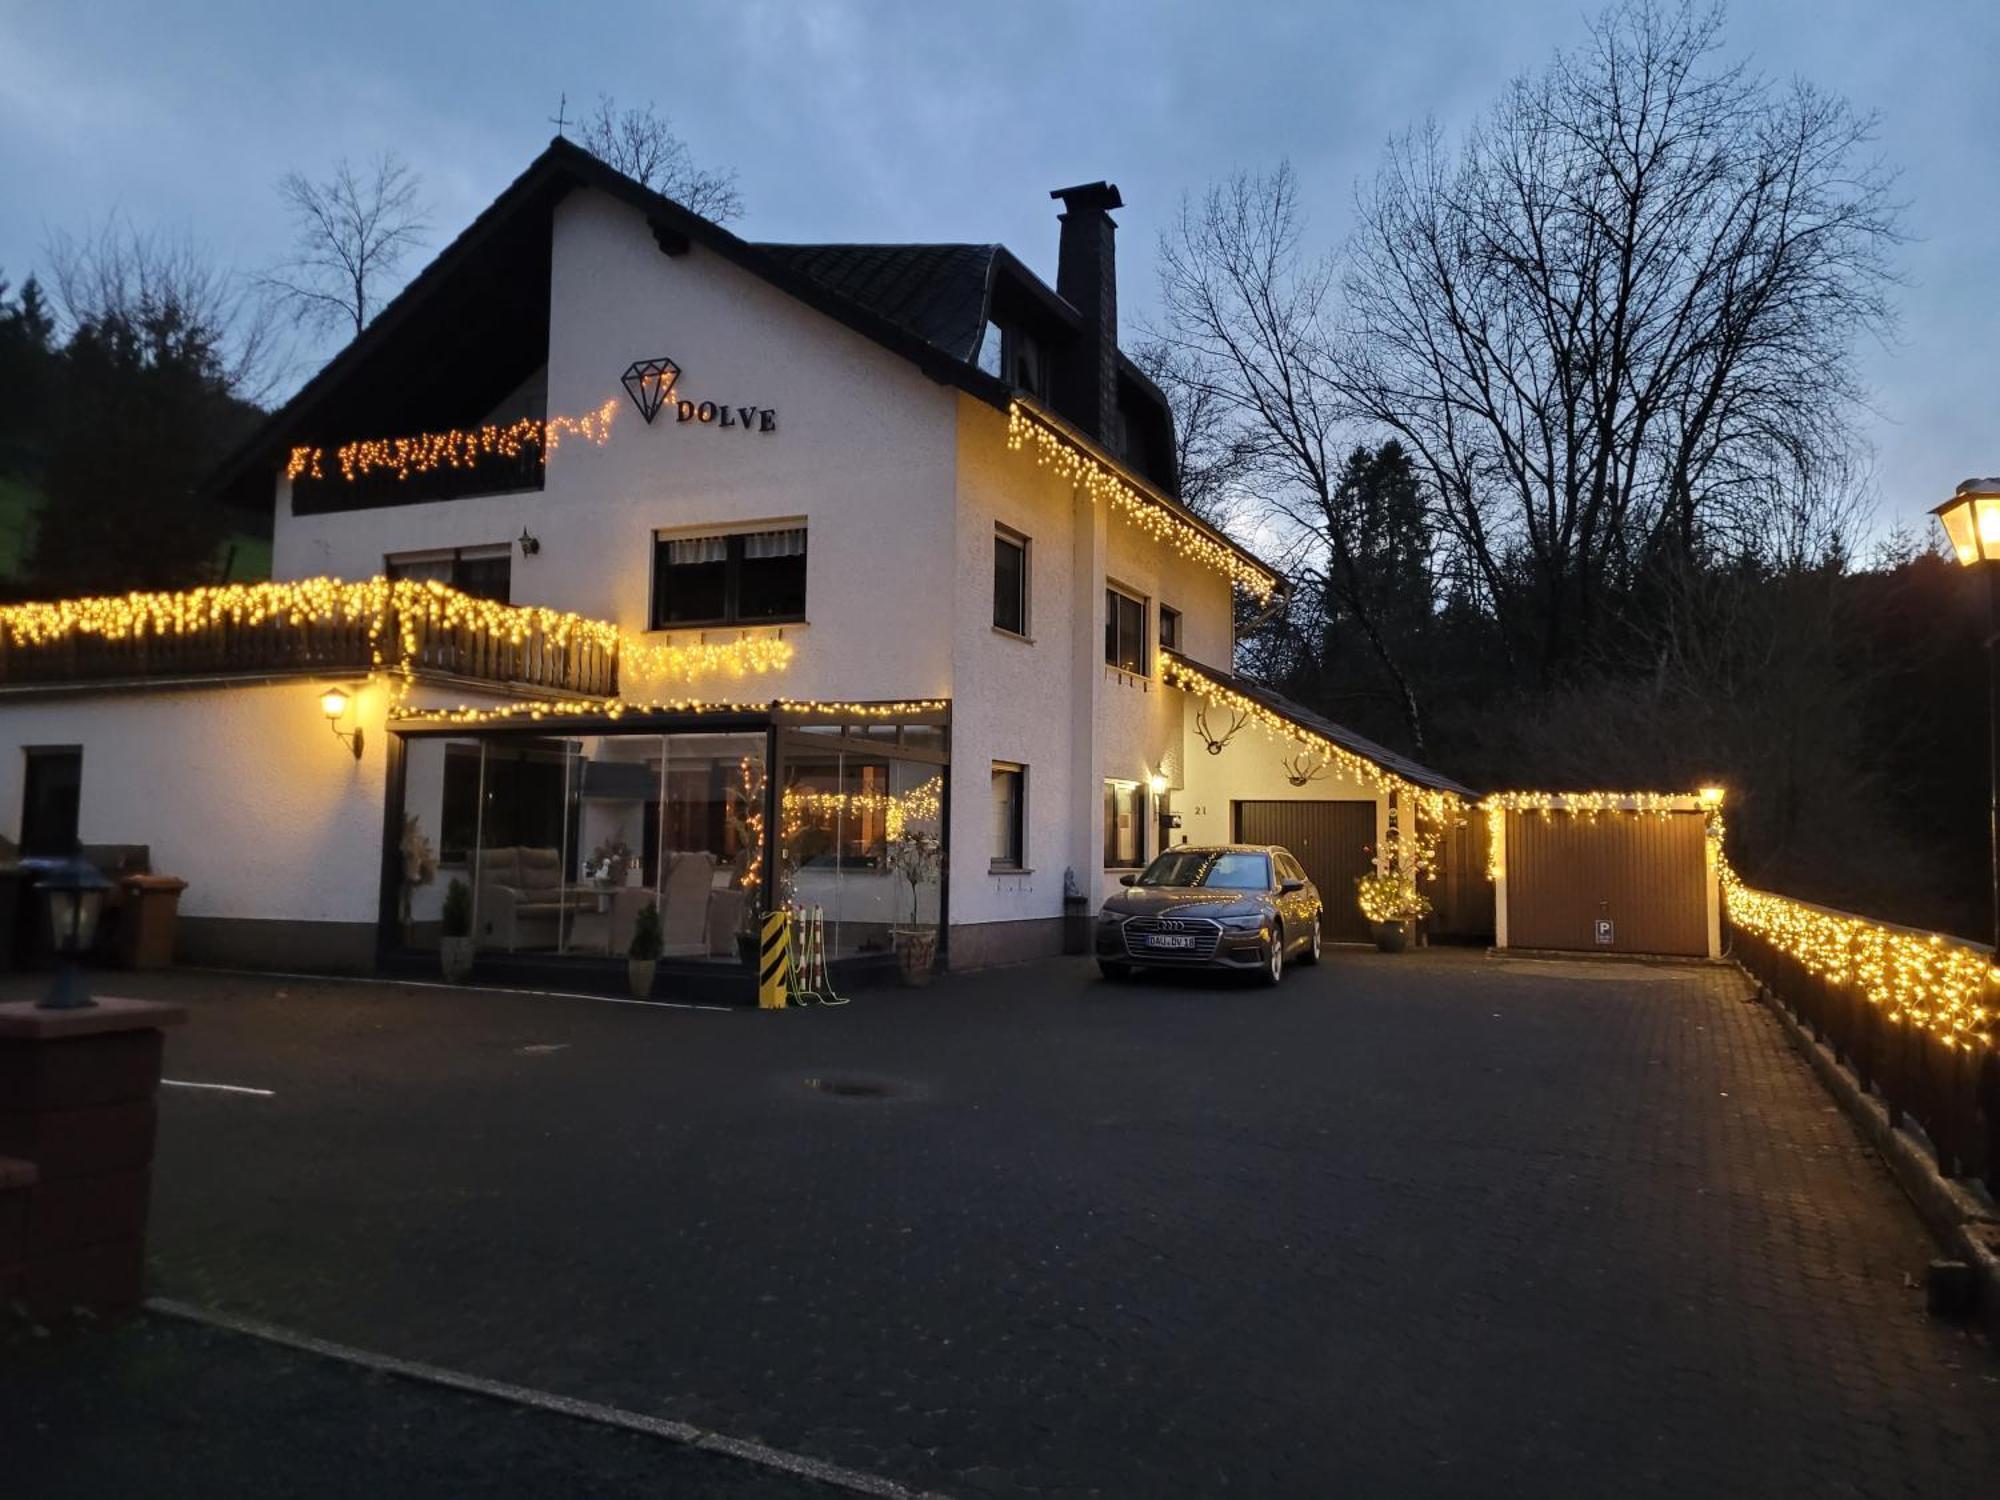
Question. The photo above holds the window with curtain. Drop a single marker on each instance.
(483, 572)
(744, 577)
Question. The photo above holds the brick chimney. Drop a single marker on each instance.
(1086, 385)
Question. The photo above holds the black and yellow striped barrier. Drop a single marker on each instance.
(774, 963)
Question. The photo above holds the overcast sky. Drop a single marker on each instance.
(938, 121)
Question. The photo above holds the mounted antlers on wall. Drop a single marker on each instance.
(1301, 769)
(1214, 741)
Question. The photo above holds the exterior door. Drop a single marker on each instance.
(1619, 883)
(1331, 840)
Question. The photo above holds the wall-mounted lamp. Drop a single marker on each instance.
(1157, 783)
(1710, 796)
(530, 545)
(333, 703)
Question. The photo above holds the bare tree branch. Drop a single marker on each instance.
(641, 143)
(350, 233)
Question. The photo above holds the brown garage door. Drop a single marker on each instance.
(1644, 874)
(1331, 839)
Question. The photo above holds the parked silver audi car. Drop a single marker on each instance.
(1222, 906)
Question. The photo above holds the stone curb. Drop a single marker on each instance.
(1955, 1217)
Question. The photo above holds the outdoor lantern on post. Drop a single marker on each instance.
(1971, 521)
(75, 890)
(333, 703)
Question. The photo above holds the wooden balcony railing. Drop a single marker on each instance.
(314, 626)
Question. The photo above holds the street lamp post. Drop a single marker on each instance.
(1971, 521)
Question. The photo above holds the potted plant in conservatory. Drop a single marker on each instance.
(642, 958)
(455, 946)
(916, 857)
(1392, 904)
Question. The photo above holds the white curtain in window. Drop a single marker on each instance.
(686, 551)
(790, 543)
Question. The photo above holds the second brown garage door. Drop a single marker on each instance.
(1642, 876)
(1331, 839)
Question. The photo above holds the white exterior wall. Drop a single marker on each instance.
(1251, 769)
(864, 454)
(1019, 701)
(241, 791)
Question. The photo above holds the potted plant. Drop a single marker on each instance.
(1392, 904)
(916, 857)
(643, 956)
(455, 947)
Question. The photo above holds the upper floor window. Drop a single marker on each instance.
(486, 572)
(1010, 581)
(1170, 628)
(738, 578)
(1009, 353)
(1125, 631)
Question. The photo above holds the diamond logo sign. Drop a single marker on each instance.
(649, 382)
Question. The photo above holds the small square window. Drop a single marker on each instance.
(1010, 789)
(1010, 582)
(1170, 628)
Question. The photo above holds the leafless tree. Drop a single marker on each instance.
(1211, 455)
(349, 235)
(641, 143)
(1605, 321)
(1244, 338)
(168, 285)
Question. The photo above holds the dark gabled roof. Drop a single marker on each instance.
(937, 292)
(1340, 734)
(925, 303)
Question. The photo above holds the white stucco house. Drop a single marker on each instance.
(765, 573)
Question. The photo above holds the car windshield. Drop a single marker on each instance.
(1226, 870)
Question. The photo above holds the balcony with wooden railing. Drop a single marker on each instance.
(314, 627)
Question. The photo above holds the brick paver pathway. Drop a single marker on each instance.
(1425, 1224)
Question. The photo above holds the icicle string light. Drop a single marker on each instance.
(454, 448)
(1436, 811)
(409, 606)
(534, 711)
(1055, 449)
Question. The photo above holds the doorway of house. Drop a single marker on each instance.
(1331, 840)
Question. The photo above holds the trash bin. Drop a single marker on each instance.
(152, 911)
(15, 886)
(1076, 924)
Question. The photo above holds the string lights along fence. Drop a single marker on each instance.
(1912, 1014)
(375, 625)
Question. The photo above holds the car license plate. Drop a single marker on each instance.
(1169, 940)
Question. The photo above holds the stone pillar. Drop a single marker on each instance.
(77, 1123)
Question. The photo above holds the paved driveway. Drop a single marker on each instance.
(1432, 1223)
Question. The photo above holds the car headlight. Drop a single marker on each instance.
(1248, 923)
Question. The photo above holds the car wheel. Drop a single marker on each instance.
(1112, 970)
(1311, 953)
(1274, 962)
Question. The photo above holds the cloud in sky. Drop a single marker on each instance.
(911, 121)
